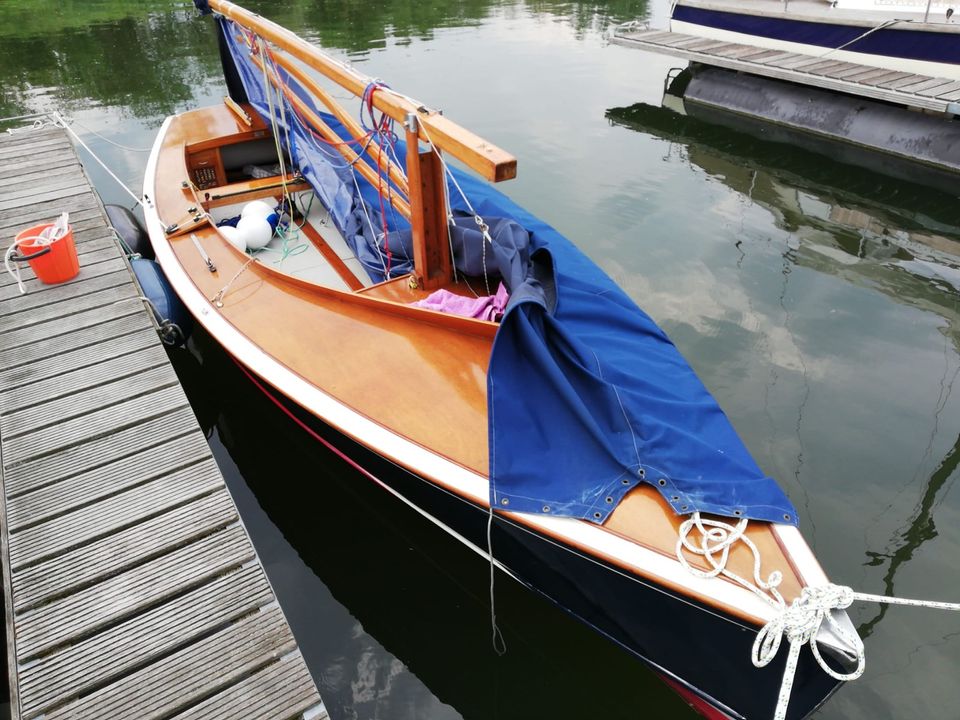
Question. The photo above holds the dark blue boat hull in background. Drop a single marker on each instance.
(893, 42)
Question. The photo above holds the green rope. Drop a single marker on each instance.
(290, 235)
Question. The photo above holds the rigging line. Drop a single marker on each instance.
(269, 92)
(60, 121)
(383, 211)
(801, 621)
(373, 233)
(108, 140)
(881, 26)
(499, 644)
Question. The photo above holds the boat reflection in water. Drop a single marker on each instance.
(391, 614)
(879, 234)
(893, 236)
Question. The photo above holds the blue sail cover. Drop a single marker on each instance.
(587, 397)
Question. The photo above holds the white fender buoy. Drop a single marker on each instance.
(256, 208)
(233, 237)
(255, 232)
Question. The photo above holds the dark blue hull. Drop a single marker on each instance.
(897, 41)
(703, 649)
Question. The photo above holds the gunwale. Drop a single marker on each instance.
(271, 310)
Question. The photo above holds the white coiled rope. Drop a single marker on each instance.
(800, 621)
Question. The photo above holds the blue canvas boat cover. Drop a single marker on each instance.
(587, 397)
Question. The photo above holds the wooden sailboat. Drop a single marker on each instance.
(405, 393)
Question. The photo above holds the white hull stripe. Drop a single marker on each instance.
(605, 545)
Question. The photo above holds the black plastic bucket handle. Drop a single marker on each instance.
(15, 257)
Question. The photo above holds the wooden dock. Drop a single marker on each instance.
(822, 71)
(131, 587)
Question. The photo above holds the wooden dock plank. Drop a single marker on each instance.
(126, 549)
(98, 453)
(81, 614)
(131, 336)
(98, 299)
(131, 587)
(112, 515)
(82, 328)
(929, 84)
(102, 276)
(132, 644)
(951, 96)
(93, 425)
(74, 380)
(111, 391)
(940, 91)
(190, 675)
(50, 501)
(36, 347)
(278, 690)
(915, 91)
(38, 173)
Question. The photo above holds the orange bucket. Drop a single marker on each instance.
(55, 262)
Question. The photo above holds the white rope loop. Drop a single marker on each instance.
(799, 622)
(717, 536)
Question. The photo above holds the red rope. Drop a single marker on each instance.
(310, 431)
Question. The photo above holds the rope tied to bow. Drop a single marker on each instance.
(801, 621)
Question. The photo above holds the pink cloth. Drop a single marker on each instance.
(488, 307)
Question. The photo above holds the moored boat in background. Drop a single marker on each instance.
(907, 37)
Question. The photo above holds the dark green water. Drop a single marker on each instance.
(817, 301)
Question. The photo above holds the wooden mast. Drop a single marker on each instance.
(428, 212)
(426, 181)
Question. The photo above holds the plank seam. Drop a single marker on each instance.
(101, 498)
(173, 382)
(118, 528)
(25, 383)
(91, 438)
(195, 536)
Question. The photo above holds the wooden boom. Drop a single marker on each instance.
(476, 153)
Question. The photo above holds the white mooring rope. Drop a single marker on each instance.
(800, 621)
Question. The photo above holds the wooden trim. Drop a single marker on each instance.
(250, 190)
(490, 161)
(331, 257)
(255, 134)
(242, 114)
(456, 323)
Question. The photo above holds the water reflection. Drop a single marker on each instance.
(916, 531)
(148, 58)
(858, 276)
(880, 233)
(153, 58)
(391, 614)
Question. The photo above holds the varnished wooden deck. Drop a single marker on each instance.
(131, 587)
(901, 88)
